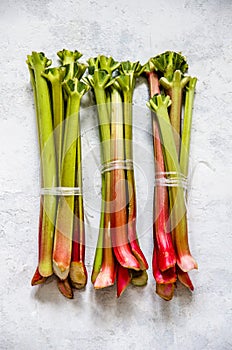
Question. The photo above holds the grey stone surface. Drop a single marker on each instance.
(39, 317)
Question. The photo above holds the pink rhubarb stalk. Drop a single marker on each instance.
(166, 254)
(123, 279)
(107, 274)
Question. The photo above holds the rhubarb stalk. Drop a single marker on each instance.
(104, 271)
(78, 273)
(128, 73)
(55, 76)
(164, 258)
(64, 223)
(38, 63)
(184, 155)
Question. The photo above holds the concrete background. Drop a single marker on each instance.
(39, 317)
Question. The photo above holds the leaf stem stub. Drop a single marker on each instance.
(101, 62)
(75, 87)
(168, 62)
(68, 57)
(159, 103)
(37, 58)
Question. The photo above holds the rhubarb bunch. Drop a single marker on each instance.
(118, 255)
(169, 87)
(57, 94)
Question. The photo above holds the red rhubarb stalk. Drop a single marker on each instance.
(121, 246)
(166, 254)
(162, 277)
(128, 73)
(123, 279)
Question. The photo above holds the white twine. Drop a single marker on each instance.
(175, 180)
(61, 191)
(125, 164)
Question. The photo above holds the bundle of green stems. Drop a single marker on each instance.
(172, 96)
(118, 255)
(57, 95)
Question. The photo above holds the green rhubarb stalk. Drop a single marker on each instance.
(99, 80)
(159, 105)
(38, 122)
(55, 76)
(64, 223)
(38, 63)
(37, 278)
(175, 91)
(78, 273)
(184, 154)
(186, 133)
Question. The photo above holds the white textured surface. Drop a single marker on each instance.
(40, 318)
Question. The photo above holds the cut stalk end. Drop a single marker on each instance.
(139, 255)
(78, 275)
(184, 278)
(139, 278)
(65, 288)
(187, 263)
(37, 278)
(105, 278)
(60, 270)
(165, 291)
(94, 276)
(45, 268)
